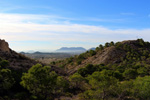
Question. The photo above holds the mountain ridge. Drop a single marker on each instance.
(71, 49)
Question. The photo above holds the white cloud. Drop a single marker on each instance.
(128, 13)
(105, 20)
(18, 27)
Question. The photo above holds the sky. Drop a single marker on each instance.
(47, 25)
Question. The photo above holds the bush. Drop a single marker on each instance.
(6, 79)
(130, 74)
(79, 61)
(141, 42)
(107, 44)
(41, 81)
(92, 52)
(101, 47)
(118, 45)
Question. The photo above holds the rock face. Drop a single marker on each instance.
(4, 46)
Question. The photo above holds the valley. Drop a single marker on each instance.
(111, 71)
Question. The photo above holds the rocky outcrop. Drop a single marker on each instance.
(109, 55)
(4, 47)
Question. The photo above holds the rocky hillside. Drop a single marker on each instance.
(19, 61)
(110, 53)
(16, 60)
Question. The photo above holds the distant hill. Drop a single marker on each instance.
(71, 49)
(91, 49)
(37, 55)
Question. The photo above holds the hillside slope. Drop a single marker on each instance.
(111, 53)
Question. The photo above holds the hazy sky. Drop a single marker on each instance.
(51, 24)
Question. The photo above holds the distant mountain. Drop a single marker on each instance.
(37, 52)
(30, 51)
(71, 49)
(92, 48)
(47, 55)
(22, 52)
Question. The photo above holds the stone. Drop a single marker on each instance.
(4, 46)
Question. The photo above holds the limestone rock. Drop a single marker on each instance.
(4, 46)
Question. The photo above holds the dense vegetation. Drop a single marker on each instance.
(128, 79)
(39, 83)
